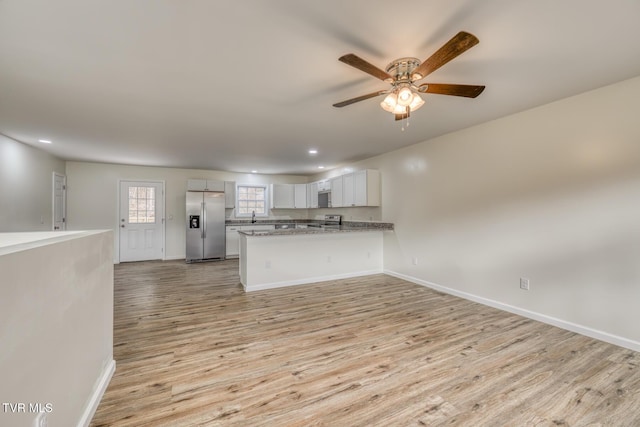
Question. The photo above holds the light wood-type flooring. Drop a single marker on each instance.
(192, 349)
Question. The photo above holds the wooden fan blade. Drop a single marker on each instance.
(459, 44)
(360, 98)
(362, 65)
(469, 91)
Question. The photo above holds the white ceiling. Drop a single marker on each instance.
(242, 85)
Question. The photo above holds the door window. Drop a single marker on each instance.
(142, 205)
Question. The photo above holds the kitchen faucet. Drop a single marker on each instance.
(253, 217)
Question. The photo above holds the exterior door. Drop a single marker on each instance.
(59, 202)
(141, 221)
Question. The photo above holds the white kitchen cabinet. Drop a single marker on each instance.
(229, 194)
(300, 196)
(205, 185)
(283, 196)
(348, 190)
(233, 239)
(312, 195)
(362, 188)
(233, 242)
(337, 192)
(324, 185)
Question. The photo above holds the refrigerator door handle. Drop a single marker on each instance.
(204, 220)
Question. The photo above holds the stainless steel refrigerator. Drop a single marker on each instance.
(206, 237)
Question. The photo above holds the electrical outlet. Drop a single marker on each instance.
(414, 260)
(267, 264)
(524, 283)
(328, 258)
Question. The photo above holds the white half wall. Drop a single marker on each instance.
(56, 325)
(550, 194)
(26, 186)
(268, 262)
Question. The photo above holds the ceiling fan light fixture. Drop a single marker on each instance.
(400, 109)
(389, 103)
(393, 105)
(416, 102)
(405, 96)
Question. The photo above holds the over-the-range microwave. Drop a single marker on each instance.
(324, 199)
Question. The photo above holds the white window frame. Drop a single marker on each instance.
(266, 201)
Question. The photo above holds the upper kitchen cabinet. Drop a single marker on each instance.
(289, 196)
(283, 196)
(205, 185)
(337, 192)
(300, 196)
(229, 194)
(312, 195)
(361, 188)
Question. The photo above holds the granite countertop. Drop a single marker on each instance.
(272, 221)
(346, 224)
(316, 230)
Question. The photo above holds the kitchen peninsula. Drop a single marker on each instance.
(277, 258)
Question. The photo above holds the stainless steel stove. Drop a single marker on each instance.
(332, 221)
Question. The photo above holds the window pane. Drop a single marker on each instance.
(142, 205)
(251, 198)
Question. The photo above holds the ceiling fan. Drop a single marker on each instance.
(404, 95)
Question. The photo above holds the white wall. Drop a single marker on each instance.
(551, 194)
(26, 186)
(92, 194)
(56, 324)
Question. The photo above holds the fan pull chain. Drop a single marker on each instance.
(406, 118)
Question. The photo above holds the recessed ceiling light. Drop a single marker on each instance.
(254, 171)
(320, 167)
(44, 141)
(313, 151)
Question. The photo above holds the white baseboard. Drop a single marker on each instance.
(98, 392)
(573, 327)
(274, 285)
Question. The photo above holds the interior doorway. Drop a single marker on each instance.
(59, 202)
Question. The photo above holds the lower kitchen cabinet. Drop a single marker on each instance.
(233, 239)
